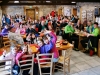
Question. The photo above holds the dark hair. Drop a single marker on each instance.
(9, 28)
(45, 37)
(96, 23)
(41, 40)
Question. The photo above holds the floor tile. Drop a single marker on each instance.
(75, 74)
(87, 72)
(97, 58)
(87, 57)
(93, 62)
(73, 69)
(72, 62)
(96, 70)
(77, 59)
(75, 53)
(82, 66)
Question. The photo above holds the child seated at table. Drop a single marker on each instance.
(26, 51)
(31, 38)
(14, 55)
(54, 50)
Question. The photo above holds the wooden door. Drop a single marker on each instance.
(75, 11)
(60, 11)
(30, 13)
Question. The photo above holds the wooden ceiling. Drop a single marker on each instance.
(43, 2)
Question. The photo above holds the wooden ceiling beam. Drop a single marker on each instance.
(37, 4)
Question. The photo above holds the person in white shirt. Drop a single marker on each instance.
(15, 36)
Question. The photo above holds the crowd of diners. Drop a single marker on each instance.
(43, 33)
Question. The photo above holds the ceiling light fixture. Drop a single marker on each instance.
(16, 1)
(48, 1)
(73, 2)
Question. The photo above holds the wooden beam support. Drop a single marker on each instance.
(37, 4)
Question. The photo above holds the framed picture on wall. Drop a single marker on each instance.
(83, 14)
(67, 12)
(90, 15)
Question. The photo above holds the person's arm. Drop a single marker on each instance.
(95, 33)
(54, 37)
(67, 30)
(72, 30)
(48, 47)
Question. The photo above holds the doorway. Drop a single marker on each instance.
(30, 13)
(75, 11)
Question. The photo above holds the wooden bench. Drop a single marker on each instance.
(99, 48)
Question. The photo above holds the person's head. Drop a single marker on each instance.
(33, 26)
(6, 27)
(12, 29)
(95, 24)
(89, 23)
(45, 39)
(25, 49)
(50, 27)
(14, 49)
(35, 21)
(42, 23)
(33, 35)
(70, 23)
(40, 42)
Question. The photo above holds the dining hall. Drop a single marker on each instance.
(49, 37)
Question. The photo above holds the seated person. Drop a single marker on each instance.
(15, 36)
(31, 29)
(69, 30)
(44, 48)
(79, 25)
(14, 55)
(54, 50)
(26, 51)
(90, 27)
(22, 29)
(31, 38)
(93, 37)
(4, 31)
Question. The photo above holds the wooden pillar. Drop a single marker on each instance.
(0, 18)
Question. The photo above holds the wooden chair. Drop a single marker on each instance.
(6, 42)
(63, 62)
(3, 69)
(45, 61)
(28, 65)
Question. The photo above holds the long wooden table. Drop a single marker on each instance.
(81, 36)
(65, 47)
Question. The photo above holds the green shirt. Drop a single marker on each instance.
(69, 29)
(95, 32)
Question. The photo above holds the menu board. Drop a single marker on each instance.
(67, 12)
(90, 15)
(83, 14)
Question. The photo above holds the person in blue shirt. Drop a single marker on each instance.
(44, 48)
(7, 19)
(4, 31)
